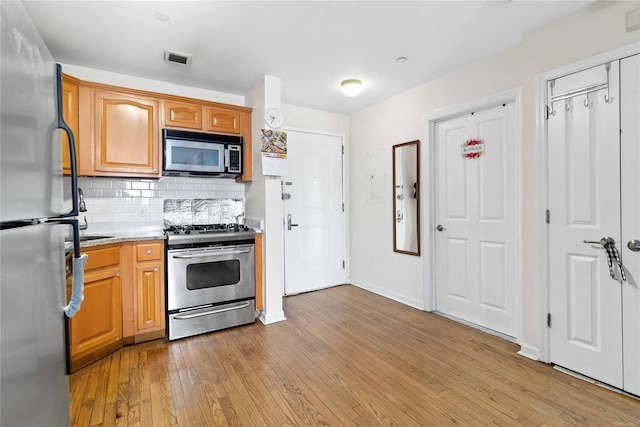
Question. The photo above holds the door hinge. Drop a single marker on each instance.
(548, 320)
(343, 150)
(343, 207)
(547, 216)
(343, 264)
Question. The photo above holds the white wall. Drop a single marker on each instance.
(597, 28)
(311, 119)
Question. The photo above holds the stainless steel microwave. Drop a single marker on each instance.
(201, 154)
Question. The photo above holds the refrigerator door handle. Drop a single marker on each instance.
(72, 148)
(77, 294)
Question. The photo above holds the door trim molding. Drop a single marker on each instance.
(543, 178)
(427, 177)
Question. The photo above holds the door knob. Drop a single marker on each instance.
(440, 228)
(634, 245)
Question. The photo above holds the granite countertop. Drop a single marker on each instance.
(116, 232)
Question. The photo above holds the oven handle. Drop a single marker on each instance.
(212, 253)
(207, 313)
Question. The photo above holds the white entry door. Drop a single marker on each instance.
(593, 184)
(476, 217)
(313, 215)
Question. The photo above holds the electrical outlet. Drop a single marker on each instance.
(142, 214)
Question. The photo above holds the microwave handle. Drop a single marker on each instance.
(226, 158)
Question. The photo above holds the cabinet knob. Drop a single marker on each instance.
(155, 269)
(117, 274)
(148, 251)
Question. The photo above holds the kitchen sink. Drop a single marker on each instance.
(88, 238)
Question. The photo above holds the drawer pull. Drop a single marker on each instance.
(148, 251)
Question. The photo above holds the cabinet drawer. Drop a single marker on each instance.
(149, 251)
(103, 257)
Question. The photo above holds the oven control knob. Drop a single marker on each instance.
(187, 231)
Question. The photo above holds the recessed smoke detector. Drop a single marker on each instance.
(177, 58)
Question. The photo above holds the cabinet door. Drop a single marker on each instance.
(149, 295)
(99, 321)
(181, 115)
(126, 140)
(221, 120)
(70, 115)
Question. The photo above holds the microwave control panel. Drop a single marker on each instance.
(235, 159)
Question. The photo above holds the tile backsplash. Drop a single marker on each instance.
(134, 199)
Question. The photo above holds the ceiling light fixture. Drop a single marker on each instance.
(351, 87)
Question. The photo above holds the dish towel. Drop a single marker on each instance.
(77, 295)
(613, 256)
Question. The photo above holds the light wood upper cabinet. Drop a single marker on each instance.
(223, 121)
(190, 116)
(120, 129)
(182, 115)
(70, 108)
(126, 134)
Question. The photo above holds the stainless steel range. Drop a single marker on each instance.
(210, 278)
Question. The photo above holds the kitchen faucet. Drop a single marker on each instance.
(82, 206)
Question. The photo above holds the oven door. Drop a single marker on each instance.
(210, 275)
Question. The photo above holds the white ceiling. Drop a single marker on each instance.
(310, 45)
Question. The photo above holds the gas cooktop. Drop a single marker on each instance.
(206, 233)
(206, 228)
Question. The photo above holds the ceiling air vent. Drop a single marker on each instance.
(177, 58)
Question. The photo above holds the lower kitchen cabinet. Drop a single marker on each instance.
(143, 291)
(96, 330)
(123, 300)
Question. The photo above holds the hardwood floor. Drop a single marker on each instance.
(344, 357)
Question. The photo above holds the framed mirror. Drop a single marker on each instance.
(406, 198)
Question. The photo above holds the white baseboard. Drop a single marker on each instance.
(385, 293)
(271, 317)
(530, 352)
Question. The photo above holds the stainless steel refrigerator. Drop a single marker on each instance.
(35, 217)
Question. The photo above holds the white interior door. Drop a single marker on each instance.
(584, 204)
(313, 215)
(476, 213)
(630, 163)
(593, 156)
